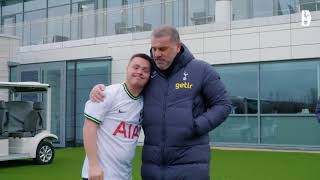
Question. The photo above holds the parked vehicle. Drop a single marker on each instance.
(25, 125)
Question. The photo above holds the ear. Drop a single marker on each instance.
(178, 45)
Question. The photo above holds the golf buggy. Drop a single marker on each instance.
(25, 125)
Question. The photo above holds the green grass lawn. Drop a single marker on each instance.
(226, 165)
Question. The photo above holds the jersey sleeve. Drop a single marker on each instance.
(96, 111)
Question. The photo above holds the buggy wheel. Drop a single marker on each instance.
(45, 153)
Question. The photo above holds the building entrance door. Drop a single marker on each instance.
(54, 75)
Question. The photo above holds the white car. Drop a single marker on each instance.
(25, 125)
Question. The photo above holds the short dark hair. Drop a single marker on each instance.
(143, 56)
(166, 30)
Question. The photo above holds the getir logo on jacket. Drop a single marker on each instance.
(184, 85)
(130, 131)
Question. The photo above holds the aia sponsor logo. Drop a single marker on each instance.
(129, 131)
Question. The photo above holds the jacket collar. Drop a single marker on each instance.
(179, 62)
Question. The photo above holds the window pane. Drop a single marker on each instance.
(9, 26)
(285, 88)
(211, 8)
(34, 32)
(241, 82)
(13, 74)
(12, 25)
(236, 130)
(70, 102)
(198, 12)
(73, 1)
(11, 7)
(241, 9)
(135, 12)
(81, 76)
(113, 3)
(30, 5)
(101, 4)
(57, 2)
(29, 76)
(283, 130)
(56, 25)
(83, 25)
(59, 11)
(308, 5)
(114, 22)
(285, 7)
(262, 8)
(174, 13)
(152, 14)
(53, 77)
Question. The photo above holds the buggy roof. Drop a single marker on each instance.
(24, 86)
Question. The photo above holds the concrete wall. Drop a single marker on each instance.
(9, 47)
(252, 40)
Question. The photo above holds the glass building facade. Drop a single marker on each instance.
(48, 21)
(70, 83)
(273, 104)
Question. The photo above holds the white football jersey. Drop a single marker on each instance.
(119, 119)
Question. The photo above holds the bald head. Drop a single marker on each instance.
(166, 30)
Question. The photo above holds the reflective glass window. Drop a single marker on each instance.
(262, 8)
(241, 9)
(83, 25)
(9, 25)
(11, 7)
(113, 3)
(135, 12)
(283, 130)
(35, 31)
(57, 26)
(115, 24)
(174, 13)
(285, 89)
(199, 13)
(152, 13)
(237, 129)
(57, 2)
(74, 1)
(59, 11)
(241, 82)
(30, 16)
(12, 25)
(101, 4)
(30, 5)
(308, 5)
(283, 7)
(81, 76)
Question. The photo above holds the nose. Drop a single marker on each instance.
(139, 71)
(157, 53)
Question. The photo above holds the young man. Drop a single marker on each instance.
(184, 100)
(111, 128)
